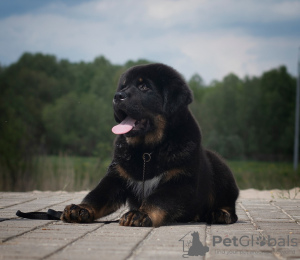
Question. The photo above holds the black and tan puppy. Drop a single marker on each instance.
(159, 166)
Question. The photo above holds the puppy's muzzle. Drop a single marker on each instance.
(120, 96)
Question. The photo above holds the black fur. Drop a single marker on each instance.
(183, 181)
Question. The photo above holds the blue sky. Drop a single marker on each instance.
(209, 37)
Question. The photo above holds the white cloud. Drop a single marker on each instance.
(286, 10)
(218, 12)
(191, 35)
(217, 54)
(171, 10)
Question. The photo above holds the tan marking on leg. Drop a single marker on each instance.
(129, 219)
(225, 211)
(106, 210)
(174, 173)
(156, 214)
(226, 218)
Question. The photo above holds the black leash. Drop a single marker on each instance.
(49, 215)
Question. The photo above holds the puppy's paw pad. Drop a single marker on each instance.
(135, 218)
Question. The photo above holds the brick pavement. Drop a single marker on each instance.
(267, 229)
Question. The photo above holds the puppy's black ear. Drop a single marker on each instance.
(177, 95)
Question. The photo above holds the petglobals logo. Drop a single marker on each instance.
(247, 241)
(192, 246)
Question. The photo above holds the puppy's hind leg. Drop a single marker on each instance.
(224, 215)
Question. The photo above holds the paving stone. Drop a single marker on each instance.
(261, 223)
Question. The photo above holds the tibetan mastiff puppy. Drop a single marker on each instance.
(159, 166)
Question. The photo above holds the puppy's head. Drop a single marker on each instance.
(147, 96)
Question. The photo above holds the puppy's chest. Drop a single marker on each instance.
(144, 188)
(145, 171)
(145, 176)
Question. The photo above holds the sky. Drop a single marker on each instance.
(210, 37)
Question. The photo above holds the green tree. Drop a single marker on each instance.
(219, 117)
(277, 113)
(48, 106)
(79, 124)
(249, 114)
(24, 92)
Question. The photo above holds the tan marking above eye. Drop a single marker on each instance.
(140, 79)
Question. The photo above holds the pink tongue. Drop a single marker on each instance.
(124, 127)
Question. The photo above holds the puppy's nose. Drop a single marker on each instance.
(119, 96)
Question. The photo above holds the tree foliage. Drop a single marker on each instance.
(251, 118)
(49, 106)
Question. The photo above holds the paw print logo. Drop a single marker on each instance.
(261, 240)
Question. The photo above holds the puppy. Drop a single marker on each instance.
(159, 167)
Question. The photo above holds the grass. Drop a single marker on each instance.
(68, 173)
(72, 173)
(265, 175)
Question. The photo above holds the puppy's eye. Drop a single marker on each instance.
(143, 87)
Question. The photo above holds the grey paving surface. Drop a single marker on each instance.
(265, 230)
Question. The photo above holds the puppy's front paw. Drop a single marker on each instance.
(135, 218)
(222, 216)
(78, 214)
